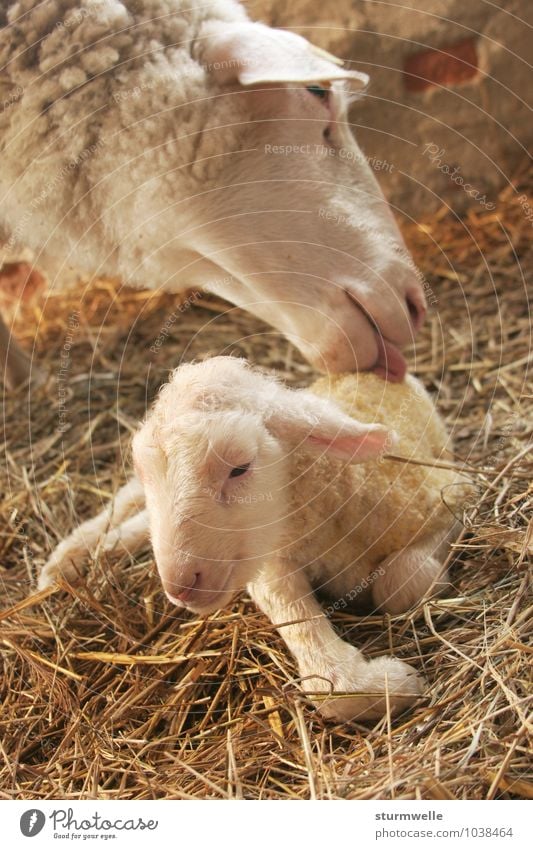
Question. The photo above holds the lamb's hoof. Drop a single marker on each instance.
(62, 564)
(379, 685)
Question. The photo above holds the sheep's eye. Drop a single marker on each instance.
(318, 91)
(239, 470)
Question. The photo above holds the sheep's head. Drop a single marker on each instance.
(291, 217)
(213, 458)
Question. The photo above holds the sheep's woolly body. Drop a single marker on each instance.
(345, 519)
(93, 89)
(146, 139)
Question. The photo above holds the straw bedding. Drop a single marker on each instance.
(109, 692)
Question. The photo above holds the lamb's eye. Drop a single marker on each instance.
(239, 470)
(318, 91)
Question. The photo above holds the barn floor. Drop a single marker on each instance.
(107, 692)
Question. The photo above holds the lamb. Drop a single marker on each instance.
(243, 482)
(178, 145)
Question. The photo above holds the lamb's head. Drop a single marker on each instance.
(295, 221)
(213, 456)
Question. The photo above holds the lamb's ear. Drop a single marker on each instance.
(307, 420)
(251, 53)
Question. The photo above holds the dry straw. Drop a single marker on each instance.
(109, 692)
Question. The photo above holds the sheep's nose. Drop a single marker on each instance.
(183, 592)
(416, 306)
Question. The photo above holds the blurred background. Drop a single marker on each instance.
(447, 73)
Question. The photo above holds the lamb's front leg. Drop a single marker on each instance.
(123, 525)
(327, 664)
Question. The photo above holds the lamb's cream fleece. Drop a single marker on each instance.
(345, 519)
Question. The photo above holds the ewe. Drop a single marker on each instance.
(242, 482)
(177, 144)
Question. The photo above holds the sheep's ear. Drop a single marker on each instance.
(251, 53)
(320, 426)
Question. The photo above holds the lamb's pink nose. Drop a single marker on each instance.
(185, 593)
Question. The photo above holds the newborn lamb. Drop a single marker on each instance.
(242, 482)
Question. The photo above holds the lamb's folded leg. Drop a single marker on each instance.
(326, 663)
(406, 576)
(123, 524)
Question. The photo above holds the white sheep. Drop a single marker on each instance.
(176, 144)
(242, 482)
